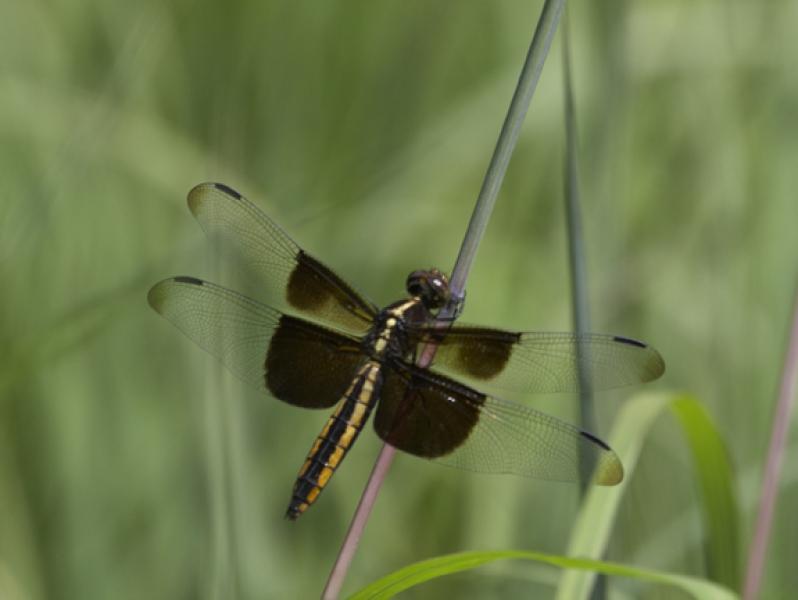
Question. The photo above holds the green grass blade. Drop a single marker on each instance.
(591, 532)
(419, 572)
(594, 523)
(511, 129)
(715, 482)
(580, 312)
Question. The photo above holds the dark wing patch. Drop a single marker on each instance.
(431, 416)
(272, 264)
(423, 415)
(308, 365)
(479, 352)
(299, 362)
(543, 362)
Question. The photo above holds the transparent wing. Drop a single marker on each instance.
(273, 264)
(542, 362)
(296, 361)
(431, 416)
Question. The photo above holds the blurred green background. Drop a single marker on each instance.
(133, 466)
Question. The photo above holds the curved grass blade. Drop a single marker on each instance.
(419, 572)
(595, 521)
(715, 481)
(679, 531)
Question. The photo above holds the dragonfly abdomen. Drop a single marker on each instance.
(338, 435)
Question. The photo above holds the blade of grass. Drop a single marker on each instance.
(664, 544)
(527, 82)
(576, 246)
(580, 312)
(718, 501)
(775, 459)
(221, 466)
(419, 572)
(222, 582)
(593, 526)
(591, 532)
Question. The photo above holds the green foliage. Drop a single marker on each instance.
(716, 483)
(418, 573)
(596, 520)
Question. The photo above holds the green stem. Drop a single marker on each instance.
(527, 83)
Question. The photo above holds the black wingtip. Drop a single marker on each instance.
(187, 279)
(227, 190)
(595, 440)
(606, 468)
(630, 341)
(655, 366)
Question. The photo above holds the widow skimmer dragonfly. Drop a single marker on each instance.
(333, 346)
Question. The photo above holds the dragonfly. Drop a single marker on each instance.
(318, 343)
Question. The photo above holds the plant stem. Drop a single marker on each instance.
(770, 485)
(580, 312)
(358, 524)
(527, 82)
(576, 247)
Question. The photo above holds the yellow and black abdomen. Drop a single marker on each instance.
(337, 437)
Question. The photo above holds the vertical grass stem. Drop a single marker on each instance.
(576, 246)
(580, 311)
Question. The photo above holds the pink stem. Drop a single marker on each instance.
(770, 485)
(367, 500)
(352, 539)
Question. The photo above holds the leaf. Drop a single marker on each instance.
(714, 478)
(591, 532)
(419, 572)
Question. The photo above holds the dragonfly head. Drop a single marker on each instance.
(430, 285)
